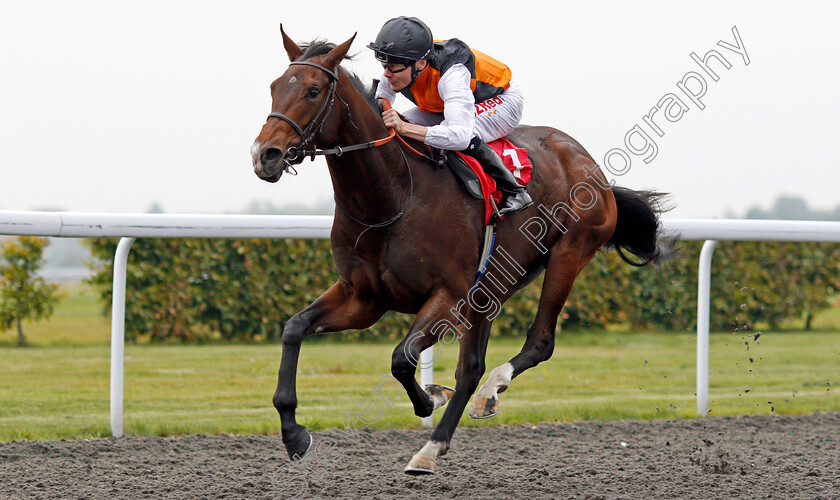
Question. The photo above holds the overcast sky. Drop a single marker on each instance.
(112, 106)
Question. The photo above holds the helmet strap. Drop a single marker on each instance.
(415, 73)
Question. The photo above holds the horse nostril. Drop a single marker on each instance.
(271, 156)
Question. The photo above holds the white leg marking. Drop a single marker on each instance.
(433, 449)
(424, 460)
(499, 379)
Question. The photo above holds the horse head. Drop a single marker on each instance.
(301, 109)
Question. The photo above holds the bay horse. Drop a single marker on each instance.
(405, 237)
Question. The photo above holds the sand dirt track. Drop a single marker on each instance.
(747, 457)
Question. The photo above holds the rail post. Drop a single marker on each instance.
(118, 335)
(427, 361)
(704, 292)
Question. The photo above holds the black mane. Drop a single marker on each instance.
(316, 48)
(320, 47)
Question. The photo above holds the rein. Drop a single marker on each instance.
(385, 104)
(392, 219)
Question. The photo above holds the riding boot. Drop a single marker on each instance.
(516, 198)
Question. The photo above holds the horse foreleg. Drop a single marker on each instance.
(335, 310)
(561, 271)
(468, 374)
(429, 326)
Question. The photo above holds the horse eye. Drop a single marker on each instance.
(314, 92)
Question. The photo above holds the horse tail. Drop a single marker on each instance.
(638, 228)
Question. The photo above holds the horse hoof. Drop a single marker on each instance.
(420, 465)
(484, 407)
(299, 444)
(440, 394)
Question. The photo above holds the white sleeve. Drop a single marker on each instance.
(457, 128)
(385, 90)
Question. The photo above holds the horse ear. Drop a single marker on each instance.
(292, 48)
(337, 54)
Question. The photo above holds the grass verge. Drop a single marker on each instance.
(62, 391)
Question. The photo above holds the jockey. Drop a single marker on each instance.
(445, 80)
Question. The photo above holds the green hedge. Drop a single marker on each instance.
(200, 289)
(752, 282)
(197, 289)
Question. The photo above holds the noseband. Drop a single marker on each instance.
(296, 154)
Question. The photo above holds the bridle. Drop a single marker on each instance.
(296, 154)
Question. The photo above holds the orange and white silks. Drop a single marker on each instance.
(489, 77)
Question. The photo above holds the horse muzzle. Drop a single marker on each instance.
(268, 162)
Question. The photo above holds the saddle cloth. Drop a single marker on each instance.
(480, 185)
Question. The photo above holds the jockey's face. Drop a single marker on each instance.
(399, 76)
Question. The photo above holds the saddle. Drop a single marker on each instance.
(466, 175)
(481, 186)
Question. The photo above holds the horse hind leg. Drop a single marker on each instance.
(561, 271)
(485, 404)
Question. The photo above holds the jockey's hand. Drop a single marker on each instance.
(405, 129)
(393, 120)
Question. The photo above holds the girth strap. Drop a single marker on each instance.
(486, 251)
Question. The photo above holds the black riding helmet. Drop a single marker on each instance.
(402, 40)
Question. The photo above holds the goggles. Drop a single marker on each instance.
(396, 68)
